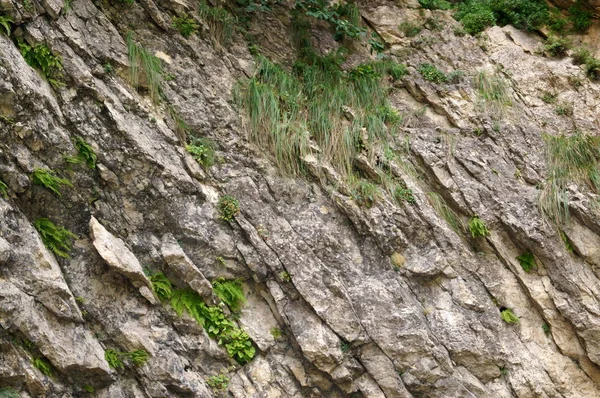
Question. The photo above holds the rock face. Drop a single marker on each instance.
(342, 300)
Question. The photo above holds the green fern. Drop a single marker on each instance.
(138, 357)
(527, 261)
(143, 63)
(57, 239)
(508, 316)
(231, 292)
(43, 366)
(8, 392)
(48, 179)
(5, 22)
(3, 190)
(86, 152)
(162, 286)
(40, 57)
(478, 227)
(114, 359)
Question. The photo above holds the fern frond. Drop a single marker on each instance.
(48, 179)
(231, 292)
(56, 238)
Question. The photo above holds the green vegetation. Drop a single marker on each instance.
(550, 98)
(5, 23)
(442, 208)
(202, 150)
(228, 207)
(435, 4)
(365, 193)
(3, 190)
(218, 382)
(492, 92)
(478, 227)
(343, 17)
(567, 242)
(432, 74)
(409, 29)
(161, 285)
(285, 276)
(220, 22)
(230, 292)
(556, 46)
(546, 329)
(564, 109)
(344, 346)
(185, 24)
(527, 261)
(138, 357)
(144, 65)
(8, 392)
(580, 16)
(41, 58)
(569, 159)
(403, 194)
(476, 15)
(43, 366)
(276, 333)
(86, 152)
(114, 359)
(88, 388)
(508, 316)
(48, 179)
(592, 64)
(57, 239)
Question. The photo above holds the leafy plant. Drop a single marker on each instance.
(220, 22)
(527, 261)
(478, 227)
(228, 207)
(185, 24)
(57, 239)
(432, 74)
(43, 366)
(401, 193)
(231, 292)
(48, 179)
(435, 4)
(549, 98)
(138, 357)
(218, 382)
(276, 333)
(86, 152)
(285, 276)
(143, 64)
(88, 388)
(344, 346)
(3, 190)
(202, 150)
(345, 18)
(5, 23)
(442, 208)
(365, 193)
(580, 17)
(508, 316)
(556, 46)
(161, 285)
(8, 392)
(565, 239)
(410, 29)
(114, 359)
(546, 329)
(40, 57)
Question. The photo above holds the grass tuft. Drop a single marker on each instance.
(442, 208)
(144, 64)
(508, 316)
(220, 22)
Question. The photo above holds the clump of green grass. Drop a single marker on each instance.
(49, 180)
(3, 190)
(403, 194)
(410, 29)
(56, 238)
(569, 159)
(508, 316)
(185, 24)
(230, 292)
(492, 92)
(592, 64)
(432, 74)
(365, 193)
(442, 208)
(527, 261)
(567, 242)
(202, 150)
(41, 58)
(435, 4)
(43, 366)
(478, 227)
(220, 22)
(143, 64)
(228, 207)
(88, 388)
(556, 46)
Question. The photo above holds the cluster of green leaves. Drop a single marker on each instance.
(564, 109)
(251, 6)
(88, 388)
(230, 292)
(276, 333)
(435, 4)
(143, 64)
(43, 366)
(202, 150)
(556, 46)
(8, 392)
(41, 58)
(218, 382)
(115, 358)
(220, 22)
(478, 227)
(344, 17)
(592, 64)
(56, 238)
(228, 207)
(404, 194)
(5, 23)
(432, 74)
(546, 329)
(3, 190)
(569, 159)
(49, 180)
(508, 316)
(85, 153)
(161, 285)
(365, 193)
(527, 261)
(185, 24)
(580, 16)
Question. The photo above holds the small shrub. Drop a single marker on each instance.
(230, 292)
(478, 227)
(8, 392)
(5, 23)
(549, 98)
(185, 24)
(476, 19)
(218, 382)
(162, 287)
(202, 150)
(508, 316)
(366, 193)
(3, 190)
(86, 152)
(114, 359)
(459, 31)
(276, 333)
(41, 58)
(527, 261)
(592, 68)
(138, 357)
(564, 109)
(556, 46)
(403, 194)
(48, 179)
(556, 22)
(581, 55)
(409, 29)
(580, 17)
(43, 366)
(432, 74)
(57, 239)
(435, 4)
(228, 207)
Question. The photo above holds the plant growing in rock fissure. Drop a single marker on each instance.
(185, 24)
(43, 366)
(228, 207)
(220, 22)
(442, 208)
(365, 193)
(344, 17)
(86, 152)
(161, 285)
(137, 357)
(5, 23)
(508, 316)
(492, 92)
(527, 261)
(556, 46)
(478, 227)
(230, 292)
(40, 57)
(202, 150)
(144, 64)
(56, 238)
(546, 329)
(88, 388)
(8, 392)
(49, 180)
(435, 4)
(567, 242)
(114, 359)
(432, 74)
(276, 333)
(409, 29)
(3, 190)
(218, 382)
(403, 194)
